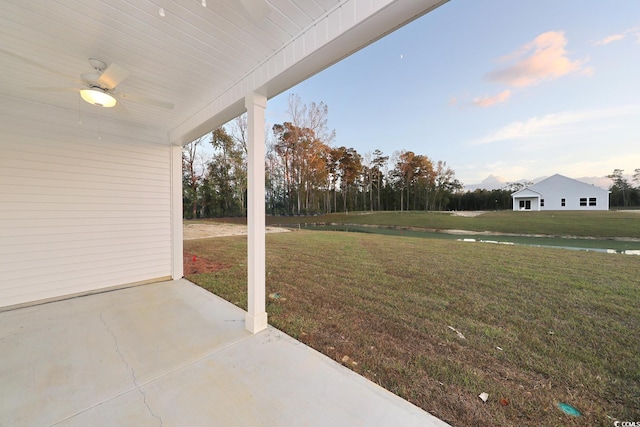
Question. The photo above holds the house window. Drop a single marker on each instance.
(541, 202)
(521, 204)
(563, 202)
(592, 201)
(583, 201)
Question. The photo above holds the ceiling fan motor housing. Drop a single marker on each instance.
(97, 64)
(90, 79)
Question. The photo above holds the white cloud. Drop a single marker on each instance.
(568, 122)
(544, 58)
(599, 166)
(495, 174)
(616, 37)
(489, 101)
(609, 39)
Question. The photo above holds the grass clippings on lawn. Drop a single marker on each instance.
(540, 326)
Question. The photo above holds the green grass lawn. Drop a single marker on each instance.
(541, 326)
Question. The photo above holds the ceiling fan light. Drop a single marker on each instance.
(98, 97)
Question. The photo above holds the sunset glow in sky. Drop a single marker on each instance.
(497, 87)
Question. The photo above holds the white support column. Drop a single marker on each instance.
(256, 318)
(177, 268)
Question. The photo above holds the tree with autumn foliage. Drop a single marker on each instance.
(414, 177)
(444, 185)
(348, 170)
(303, 158)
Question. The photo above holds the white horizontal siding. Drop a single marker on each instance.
(80, 213)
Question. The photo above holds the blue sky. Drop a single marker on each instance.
(508, 88)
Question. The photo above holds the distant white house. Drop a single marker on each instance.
(558, 193)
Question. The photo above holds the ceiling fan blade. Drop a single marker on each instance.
(257, 9)
(112, 76)
(34, 63)
(121, 109)
(144, 100)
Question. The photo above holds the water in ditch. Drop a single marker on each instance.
(578, 244)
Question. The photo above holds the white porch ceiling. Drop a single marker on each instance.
(203, 60)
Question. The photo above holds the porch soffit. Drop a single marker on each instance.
(203, 60)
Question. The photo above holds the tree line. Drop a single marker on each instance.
(624, 193)
(305, 174)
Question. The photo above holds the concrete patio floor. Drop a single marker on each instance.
(172, 354)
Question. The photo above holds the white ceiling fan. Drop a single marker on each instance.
(98, 87)
(101, 86)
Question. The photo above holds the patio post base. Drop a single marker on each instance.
(255, 324)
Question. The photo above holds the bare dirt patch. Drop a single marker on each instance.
(205, 231)
(196, 265)
(468, 214)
